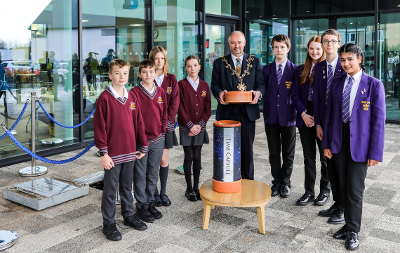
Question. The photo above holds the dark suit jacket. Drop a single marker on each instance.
(278, 104)
(222, 79)
(320, 82)
(367, 121)
(300, 97)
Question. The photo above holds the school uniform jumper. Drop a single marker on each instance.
(302, 101)
(320, 95)
(359, 139)
(154, 109)
(118, 125)
(280, 119)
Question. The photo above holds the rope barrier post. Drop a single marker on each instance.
(33, 170)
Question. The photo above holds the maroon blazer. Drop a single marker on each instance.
(171, 88)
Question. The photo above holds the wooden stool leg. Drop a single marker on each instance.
(212, 206)
(206, 215)
(261, 218)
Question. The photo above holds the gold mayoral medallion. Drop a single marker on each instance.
(241, 96)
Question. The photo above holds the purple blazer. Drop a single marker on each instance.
(278, 104)
(319, 89)
(367, 122)
(300, 97)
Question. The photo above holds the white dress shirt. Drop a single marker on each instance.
(195, 84)
(159, 79)
(235, 61)
(283, 66)
(354, 88)
(115, 94)
(333, 64)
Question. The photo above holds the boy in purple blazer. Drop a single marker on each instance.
(354, 135)
(325, 72)
(280, 115)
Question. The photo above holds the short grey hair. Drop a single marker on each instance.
(241, 33)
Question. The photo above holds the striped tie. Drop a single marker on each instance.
(238, 66)
(279, 74)
(328, 85)
(346, 101)
(310, 92)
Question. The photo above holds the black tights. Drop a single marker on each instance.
(192, 154)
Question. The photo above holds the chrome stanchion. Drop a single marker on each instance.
(33, 170)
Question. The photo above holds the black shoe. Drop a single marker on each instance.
(165, 200)
(275, 190)
(157, 200)
(305, 200)
(154, 211)
(144, 214)
(191, 196)
(285, 191)
(134, 222)
(321, 199)
(329, 212)
(111, 232)
(338, 218)
(341, 233)
(197, 194)
(352, 242)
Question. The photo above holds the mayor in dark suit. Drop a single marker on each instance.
(223, 81)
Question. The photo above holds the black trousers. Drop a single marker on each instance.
(248, 129)
(281, 137)
(333, 175)
(310, 141)
(351, 176)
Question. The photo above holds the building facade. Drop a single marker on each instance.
(60, 49)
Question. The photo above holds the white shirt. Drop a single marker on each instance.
(235, 61)
(354, 88)
(159, 80)
(195, 84)
(115, 94)
(152, 90)
(312, 67)
(283, 66)
(333, 64)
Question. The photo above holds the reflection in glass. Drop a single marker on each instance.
(36, 55)
(223, 7)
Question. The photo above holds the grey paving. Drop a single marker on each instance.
(76, 226)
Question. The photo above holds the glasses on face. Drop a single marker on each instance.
(333, 42)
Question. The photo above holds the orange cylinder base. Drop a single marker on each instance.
(227, 187)
(238, 97)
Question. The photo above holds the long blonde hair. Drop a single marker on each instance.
(153, 53)
(305, 75)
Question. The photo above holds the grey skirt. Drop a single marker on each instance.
(170, 140)
(200, 139)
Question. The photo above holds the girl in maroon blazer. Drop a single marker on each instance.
(193, 114)
(170, 85)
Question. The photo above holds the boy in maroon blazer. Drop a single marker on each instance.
(155, 118)
(117, 116)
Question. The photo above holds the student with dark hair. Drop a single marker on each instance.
(354, 135)
(193, 114)
(302, 96)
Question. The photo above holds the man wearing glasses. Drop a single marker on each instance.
(325, 72)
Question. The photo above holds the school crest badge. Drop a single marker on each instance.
(169, 90)
(288, 84)
(203, 93)
(160, 101)
(132, 106)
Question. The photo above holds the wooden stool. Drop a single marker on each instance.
(252, 194)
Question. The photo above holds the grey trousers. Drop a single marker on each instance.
(121, 173)
(146, 174)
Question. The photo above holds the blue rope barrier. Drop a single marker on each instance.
(61, 125)
(16, 122)
(45, 159)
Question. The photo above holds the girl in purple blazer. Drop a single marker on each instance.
(169, 83)
(354, 135)
(193, 114)
(302, 96)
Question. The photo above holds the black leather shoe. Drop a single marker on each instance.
(305, 200)
(154, 211)
(321, 199)
(197, 194)
(337, 218)
(165, 200)
(352, 242)
(157, 200)
(144, 214)
(111, 232)
(341, 233)
(134, 222)
(285, 191)
(275, 190)
(191, 196)
(329, 212)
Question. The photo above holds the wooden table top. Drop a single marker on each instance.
(251, 194)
